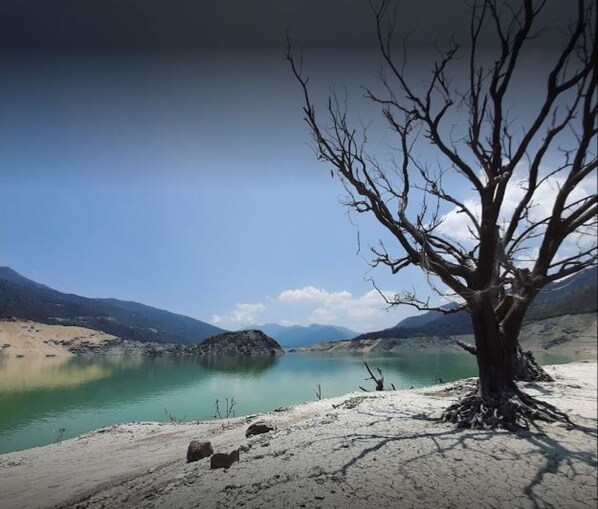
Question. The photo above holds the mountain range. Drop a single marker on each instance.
(574, 295)
(25, 299)
(296, 335)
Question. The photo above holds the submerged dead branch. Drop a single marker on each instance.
(379, 380)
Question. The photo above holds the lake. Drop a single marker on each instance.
(44, 400)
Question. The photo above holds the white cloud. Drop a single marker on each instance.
(456, 224)
(526, 260)
(287, 323)
(242, 314)
(312, 294)
(309, 304)
(340, 308)
(322, 315)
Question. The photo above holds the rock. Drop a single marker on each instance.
(259, 427)
(223, 460)
(240, 343)
(198, 450)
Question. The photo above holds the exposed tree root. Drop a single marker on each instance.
(528, 370)
(515, 410)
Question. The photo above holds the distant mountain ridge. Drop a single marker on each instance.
(574, 295)
(296, 335)
(25, 299)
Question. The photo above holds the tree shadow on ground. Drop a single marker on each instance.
(538, 387)
(558, 457)
(557, 451)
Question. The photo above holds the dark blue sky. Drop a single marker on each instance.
(123, 25)
(155, 151)
(183, 181)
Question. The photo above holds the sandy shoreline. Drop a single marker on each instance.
(358, 450)
(33, 339)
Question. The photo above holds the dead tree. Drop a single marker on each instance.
(378, 381)
(493, 152)
(526, 367)
(228, 411)
(467, 347)
(319, 392)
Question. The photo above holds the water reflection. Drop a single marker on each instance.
(40, 396)
(420, 369)
(37, 372)
(240, 365)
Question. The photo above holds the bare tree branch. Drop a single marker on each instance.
(532, 212)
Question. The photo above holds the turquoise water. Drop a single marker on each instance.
(48, 399)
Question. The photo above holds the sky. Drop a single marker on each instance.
(155, 152)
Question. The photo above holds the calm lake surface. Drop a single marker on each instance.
(45, 400)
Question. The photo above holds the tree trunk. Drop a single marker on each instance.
(526, 367)
(496, 353)
(497, 401)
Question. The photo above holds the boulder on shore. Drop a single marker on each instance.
(198, 450)
(223, 460)
(259, 427)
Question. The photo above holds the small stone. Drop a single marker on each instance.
(198, 450)
(259, 427)
(223, 460)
